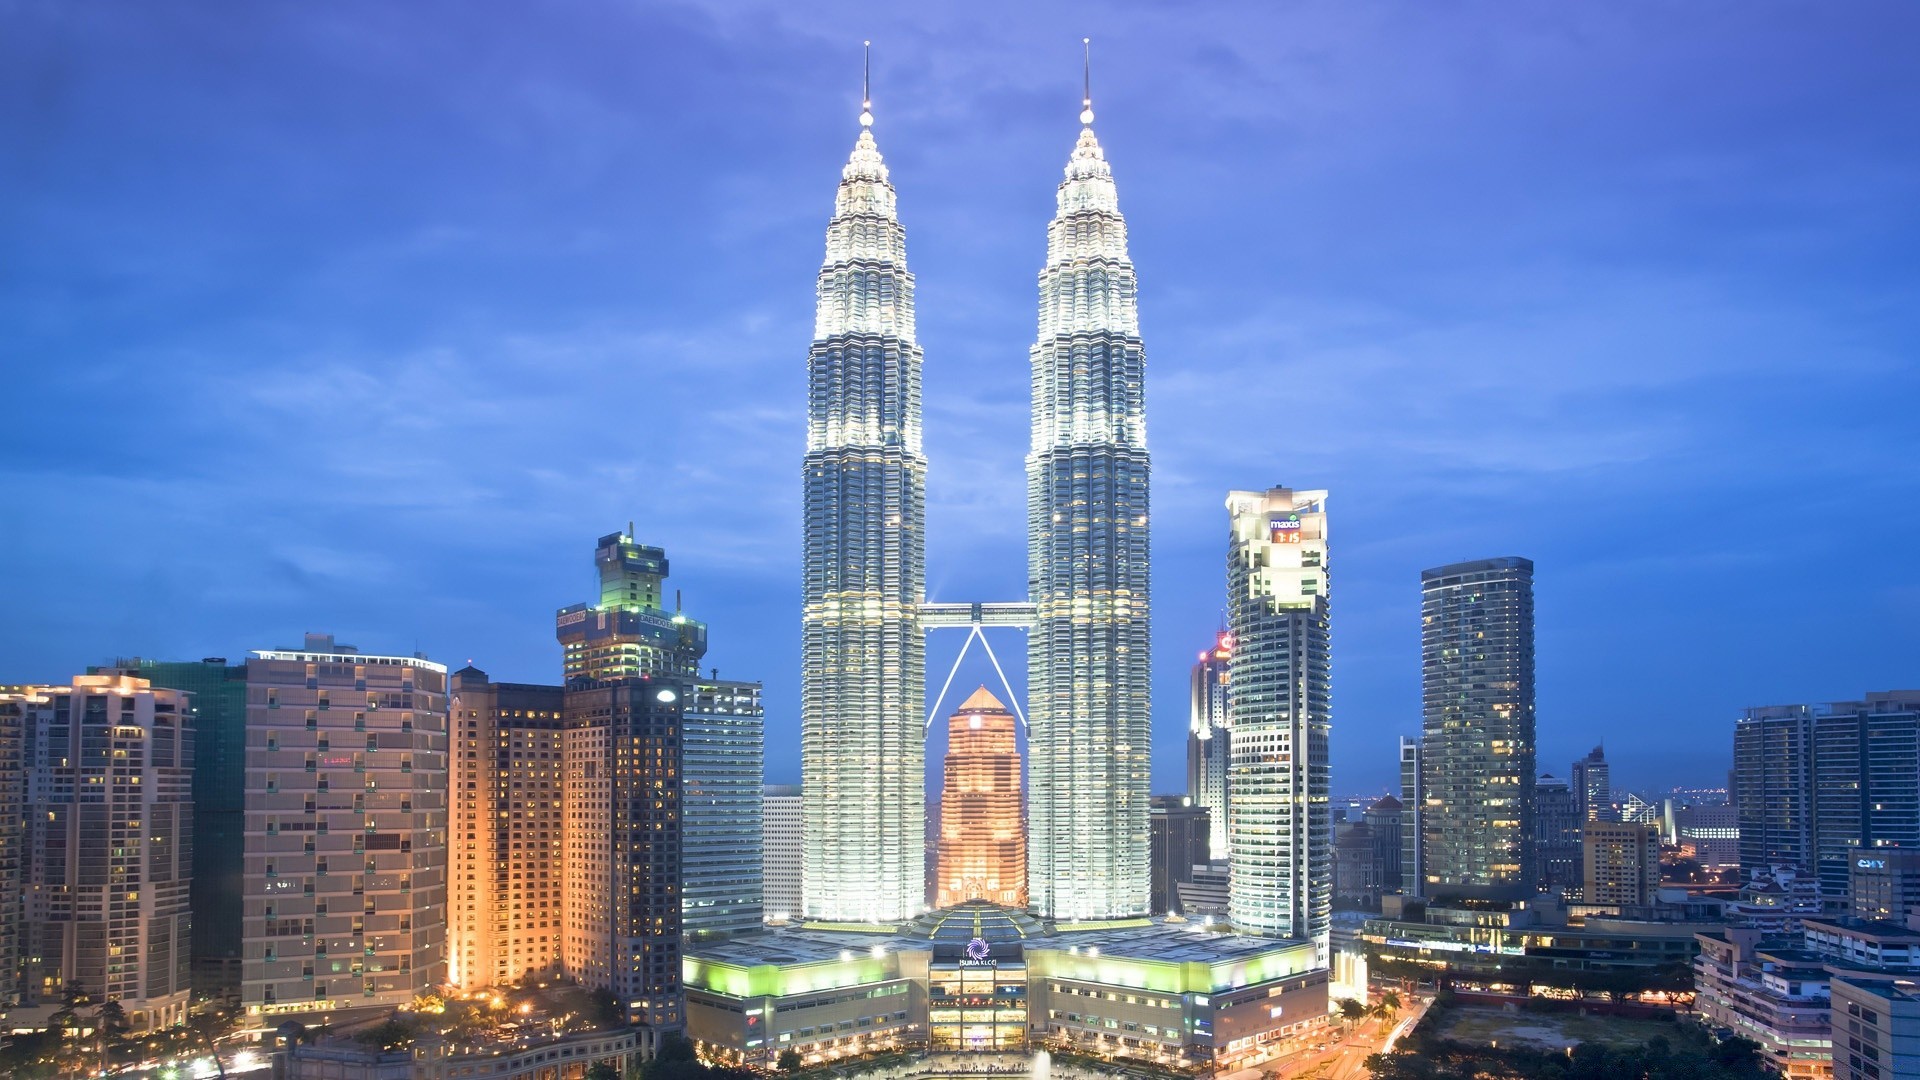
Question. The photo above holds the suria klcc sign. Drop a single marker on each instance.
(1284, 530)
(979, 954)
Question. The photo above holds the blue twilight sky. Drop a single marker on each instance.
(370, 317)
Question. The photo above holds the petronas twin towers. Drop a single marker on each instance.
(863, 705)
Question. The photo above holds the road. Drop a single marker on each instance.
(1339, 1053)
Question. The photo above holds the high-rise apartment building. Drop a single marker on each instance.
(783, 834)
(724, 736)
(1413, 810)
(14, 717)
(219, 704)
(1592, 784)
(983, 841)
(1814, 781)
(1209, 739)
(345, 857)
(1279, 832)
(1181, 839)
(622, 800)
(1476, 649)
(630, 632)
(1556, 835)
(863, 658)
(508, 825)
(109, 767)
(1088, 662)
(1620, 863)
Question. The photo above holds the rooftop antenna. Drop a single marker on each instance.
(1086, 80)
(866, 84)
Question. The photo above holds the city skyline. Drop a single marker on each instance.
(223, 322)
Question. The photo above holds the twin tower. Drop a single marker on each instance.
(863, 703)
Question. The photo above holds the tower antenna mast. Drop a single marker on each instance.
(866, 84)
(1086, 80)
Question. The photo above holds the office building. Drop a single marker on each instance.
(345, 858)
(1209, 738)
(630, 632)
(1884, 883)
(1356, 866)
(504, 902)
(1556, 836)
(1088, 562)
(219, 703)
(863, 658)
(1620, 863)
(1383, 819)
(1279, 833)
(1876, 1028)
(725, 748)
(1476, 649)
(1413, 810)
(109, 835)
(1181, 838)
(983, 842)
(782, 833)
(622, 800)
(1815, 781)
(1592, 784)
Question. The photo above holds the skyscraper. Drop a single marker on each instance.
(1087, 561)
(1476, 648)
(863, 659)
(219, 706)
(630, 632)
(13, 864)
(1592, 785)
(1209, 739)
(1556, 836)
(345, 905)
(1279, 836)
(622, 802)
(110, 824)
(983, 842)
(1413, 815)
(508, 824)
(1813, 781)
(725, 747)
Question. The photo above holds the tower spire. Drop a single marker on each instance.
(866, 84)
(1086, 80)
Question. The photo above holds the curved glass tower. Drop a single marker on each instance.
(863, 666)
(1087, 565)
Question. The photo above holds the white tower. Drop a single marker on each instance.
(1087, 659)
(863, 668)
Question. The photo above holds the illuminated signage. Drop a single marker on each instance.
(1872, 864)
(978, 953)
(1284, 530)
(572, 617)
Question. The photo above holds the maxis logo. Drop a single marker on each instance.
(1284, 530)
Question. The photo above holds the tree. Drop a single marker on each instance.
(1350, 1010)
(603, 1071)
(789, 1060)
(111, 1024)
(1390, 1001)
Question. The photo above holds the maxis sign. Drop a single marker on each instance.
(1284, 530)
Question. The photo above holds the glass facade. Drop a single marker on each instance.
(1280, 829)
(863, 652)
(1476, 650)
(1088, 562)
(725, 735)
(219, 706)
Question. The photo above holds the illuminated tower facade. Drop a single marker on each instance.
(1087, 562)
(1209, 740)
(1476, 661)
(630, 632)
(983, 843)
(1279, 832)
(863, 661)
